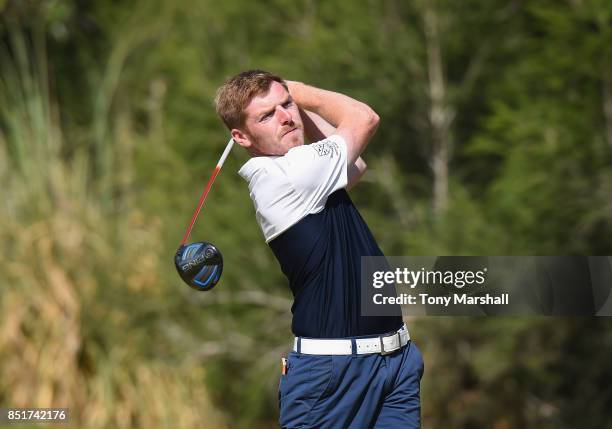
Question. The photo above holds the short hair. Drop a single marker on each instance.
(238, 91)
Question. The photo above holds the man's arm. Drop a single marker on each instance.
(316, 128)
(354, 121)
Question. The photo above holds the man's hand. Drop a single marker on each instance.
(353, 120)
(316, 128)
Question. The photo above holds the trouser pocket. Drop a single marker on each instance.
(306, 381)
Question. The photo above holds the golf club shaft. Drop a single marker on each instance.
(216, 171)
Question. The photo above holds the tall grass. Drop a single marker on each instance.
(69, 287)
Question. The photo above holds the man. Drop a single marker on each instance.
(346, 370)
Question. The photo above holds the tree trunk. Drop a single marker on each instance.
(607, 103)
(439, 117)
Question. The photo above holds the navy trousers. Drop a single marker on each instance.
(352, 391)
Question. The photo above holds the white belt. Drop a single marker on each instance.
(385, 344)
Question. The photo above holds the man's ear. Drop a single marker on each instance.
(241, 138)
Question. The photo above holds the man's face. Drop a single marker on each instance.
(273, 124)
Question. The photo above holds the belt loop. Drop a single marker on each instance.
(353, 347)
(299, 345)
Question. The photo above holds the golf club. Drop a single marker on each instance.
(200, 264)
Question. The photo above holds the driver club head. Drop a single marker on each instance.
(199, 264)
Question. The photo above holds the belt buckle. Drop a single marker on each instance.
(382, 345)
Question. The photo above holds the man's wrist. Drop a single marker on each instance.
(295, 88)
(305, 96)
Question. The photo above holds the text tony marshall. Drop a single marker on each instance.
(457, 299)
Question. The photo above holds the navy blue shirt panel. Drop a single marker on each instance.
(321, 257)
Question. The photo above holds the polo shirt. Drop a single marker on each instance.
(318, 237)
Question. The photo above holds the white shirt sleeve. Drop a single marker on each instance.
(285, 189)
(317, 170)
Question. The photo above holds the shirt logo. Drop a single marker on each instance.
(326, 148)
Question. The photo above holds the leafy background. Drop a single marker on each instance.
(496, 138)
